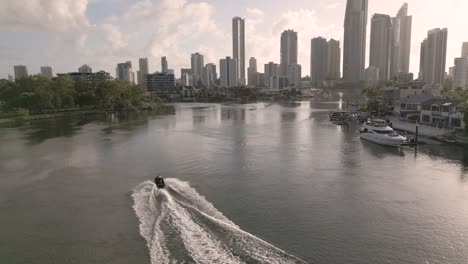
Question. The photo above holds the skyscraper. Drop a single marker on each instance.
(228, 71)
(143, 71)
(381, 45)
(164, 65)
(197, 62)
(271, 70)
(460, 78)
(354, 53)
(20, 72)
(209, 75)
(294, 75)
(433, 56)
(124, 72)
(238, 46)
(372, 76)
(318, 60)
(288, 51)
(85, 69)
(464, 49)
(252, 72)
(400, 58)
(333, 60)
(46, 71)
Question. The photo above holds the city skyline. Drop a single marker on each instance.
(263, 31)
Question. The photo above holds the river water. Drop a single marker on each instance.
(256, 183)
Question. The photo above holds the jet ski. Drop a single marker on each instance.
(159, 181)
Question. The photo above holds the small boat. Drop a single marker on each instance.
(339, 116)
(377, 131)
(159, 181)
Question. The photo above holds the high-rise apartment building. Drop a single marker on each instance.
(318, 60)
(164, 65)
(460, 72)
(46, 71)
(228, 72)
(401, 42)
(197, 62)
(143, 71)
(271, 70)
(333, 60)
(209, 75)
(238, 47)
(124, 72)
(288, 50)
(381, 45)
(354, 47)
(433, 56)
(294, 75)
(252, 72)
(21, 71)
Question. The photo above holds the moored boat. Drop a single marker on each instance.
(377, 131)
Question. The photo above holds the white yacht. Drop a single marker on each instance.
(377, 131)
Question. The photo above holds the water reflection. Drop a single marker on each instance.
(381, 152)
(290, 104)
(288, 116)
(41, 130)
(233, 113)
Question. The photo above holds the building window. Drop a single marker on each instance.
(426, 107)
(426, 119)
(412, 107)
(435, 108)
(456, 122)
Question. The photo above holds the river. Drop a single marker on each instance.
(255, 183)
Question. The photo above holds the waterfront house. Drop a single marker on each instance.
(442, 113)
(409, 108)
(393, 96)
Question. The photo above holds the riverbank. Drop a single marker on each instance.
(51, 115)
(75, 112)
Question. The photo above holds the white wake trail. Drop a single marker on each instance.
(150, 221)
(177, 220)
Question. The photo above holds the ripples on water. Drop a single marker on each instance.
(282, 172)
(180, 226)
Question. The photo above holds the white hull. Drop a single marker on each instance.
(383, 140)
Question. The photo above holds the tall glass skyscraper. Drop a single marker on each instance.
(402, 24)
(354, 49)
(238, 47)
(288, 51)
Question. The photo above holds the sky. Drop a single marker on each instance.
(66, 34)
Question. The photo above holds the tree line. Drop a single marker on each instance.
(38, 94)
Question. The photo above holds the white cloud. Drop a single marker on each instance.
(265, 45)
(332, 5)
(48, 15)
(174, 25)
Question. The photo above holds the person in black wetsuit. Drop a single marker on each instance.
(159, 181)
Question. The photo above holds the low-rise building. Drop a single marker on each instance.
(442, 113)
(409, 108)
(371, 75)
(278, 83)
(189, 93)
(160, 82)
(393, 95)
